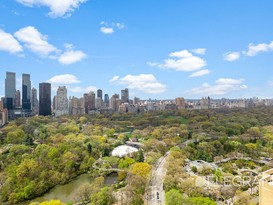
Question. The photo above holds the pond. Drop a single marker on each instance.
(67, 192)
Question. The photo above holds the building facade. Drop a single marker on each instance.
(76, 106)
(10, 89)
(34, 101)
(125, 95)
(61, 102)
(18, 99)
(115, 102)
(99, 93)
(44, 99)
(89, 101)
(26, 92)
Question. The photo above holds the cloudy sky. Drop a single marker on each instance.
(156, 48)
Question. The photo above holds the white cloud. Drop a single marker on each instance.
(64, 79)
(200, 73)
(144, 82)
(254, 50)
(200, 51)
(182, 61)
(231, 56)
(71, 56)
(107, 30)
(9, 44)
(222, 86)
(120, 26)
(79, 89)
(35, 41)
(58, 8)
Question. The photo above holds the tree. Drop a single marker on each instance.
(201, 201)
(89, 148)
(103, 197)
(140, 156)
(126, 162)
(174, 197)
(52, 202)
(84, 193)
(142, 169)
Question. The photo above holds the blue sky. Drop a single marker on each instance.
(156, 48)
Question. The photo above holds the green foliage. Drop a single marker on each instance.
(125, 163)
(174, 197)
(140, 156)
(16, 137)
(201, 201)
(103, 197)
(141, 169)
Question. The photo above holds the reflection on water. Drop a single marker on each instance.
(67, 193)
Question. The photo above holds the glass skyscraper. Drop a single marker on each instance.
(44, 99)
(26, 92)
(10, 90)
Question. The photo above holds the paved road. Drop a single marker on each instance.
(157, 194)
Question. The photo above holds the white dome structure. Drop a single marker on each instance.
(123, 150)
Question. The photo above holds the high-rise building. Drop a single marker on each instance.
(115, 102)
(10, 89)
(26, 92)
(136, 101)
(44, 99)
(180, 103)
(3, 116)
(18, 99)
(34, 101)
(98, 103)
(89, 101)
(1, 105)
(99, 93)
(76, 106)
(125, 95)
(61, 101)
(106, 100)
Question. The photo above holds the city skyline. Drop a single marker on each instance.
(173, 49)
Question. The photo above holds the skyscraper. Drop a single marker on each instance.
(34, 101)
(61, 101)
(115, 102)
(44, 99)
(10, 89)
(26, 92)
(125, 95)
(106, 100)
(89, 101)
(99, 93)
(18, 99)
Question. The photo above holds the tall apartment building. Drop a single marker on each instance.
(44, 99)
(34, 101)
(10, 89)
(106, 100)
(115, 102)
(26, 92)
(89, 101)
(76, 106)
(125, 95)
(3, 114)
(266, 188)
(180, 103)
(99, 93)
(98, 103)
(61, 102)
(18, 99)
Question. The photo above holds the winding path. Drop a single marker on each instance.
(155, 191)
